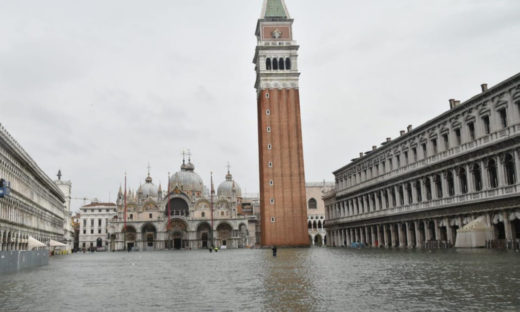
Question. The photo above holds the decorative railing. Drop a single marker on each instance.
(441, 156)
(502, 191)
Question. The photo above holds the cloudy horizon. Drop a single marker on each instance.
(102, 88)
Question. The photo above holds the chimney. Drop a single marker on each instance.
(374, 147)
(360, 154)
(452, 103)
(409, 128)
(402, 132)
(484, 87)
(388, 139)
(457, 103)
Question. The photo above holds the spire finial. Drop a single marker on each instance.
(228, 167)
(189, 155)
(183, 156)
(149, 168)
(59, 175)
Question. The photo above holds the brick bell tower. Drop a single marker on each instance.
(282, 177)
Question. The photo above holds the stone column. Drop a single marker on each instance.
(367, 240)
(401, 236)
(379, 240)
(418, 236)
(469, 179)
(393, 236)
(1, 240)
(516, 157)
(501, 170)
(376, 199)
(427, 233)
(486, 184)
(507, 226)
(362, 235)
(444, 183)
(385, 235)
(397, 196)
(367, 203)
(405, 194)
(409, 235)
(423, 189)
(456, 182)
(433, 188)
(414, 191)
(373, 235)
(437, 230)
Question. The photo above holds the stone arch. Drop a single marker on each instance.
(288, 63)
(281, 64)
(492, 173)
(309, 224)
(177, 235)
(463, 181)
(225, 231)
(477, 176)
(204, 235)
(177, 206)
(318, 240)
(509, 167)
(268, 64)
(312, 203)
(275, 64)
(149, 234)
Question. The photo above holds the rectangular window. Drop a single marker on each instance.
(390, 165)
(503, 117)
(84, 245)
(434, 146)
(99, 222)
(424, 150)
(457, 136)
(414, 152)
(471, 130)
(150, 215)
(92, 222)
(398, 161)
(84, 231)
(84, 222)
(92, 231)
(446, 141)
(406, 158)
(131, 216)
(383, 167)
(99, 231)
(485, 121)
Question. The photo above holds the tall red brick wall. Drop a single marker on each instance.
(287, 173)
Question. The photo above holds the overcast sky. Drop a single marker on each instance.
(97, 88)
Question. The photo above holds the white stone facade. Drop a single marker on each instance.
(181, 217)
(68, 231)
(418, 189)
(93, 225)
(316, 211)
(35, 204)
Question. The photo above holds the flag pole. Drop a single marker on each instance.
(124, 219)
(211, 207)
(169, 210)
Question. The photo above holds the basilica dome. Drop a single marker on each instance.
(229, 188)
(186, 179)
(148, 189)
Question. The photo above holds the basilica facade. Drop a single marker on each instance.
(184, 216)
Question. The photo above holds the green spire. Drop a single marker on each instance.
(275, 9)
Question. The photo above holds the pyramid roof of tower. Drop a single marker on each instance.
(275, 9)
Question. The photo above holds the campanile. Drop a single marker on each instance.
(282, 177)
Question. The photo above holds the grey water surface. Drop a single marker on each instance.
(314, 279)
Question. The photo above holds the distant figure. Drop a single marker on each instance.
(274, 251)
(210, 250)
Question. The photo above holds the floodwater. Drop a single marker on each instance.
(314, 279)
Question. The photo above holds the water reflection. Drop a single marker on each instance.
(317, 279)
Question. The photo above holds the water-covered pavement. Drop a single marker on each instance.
(315, 279)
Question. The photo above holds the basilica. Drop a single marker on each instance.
(184, 216)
